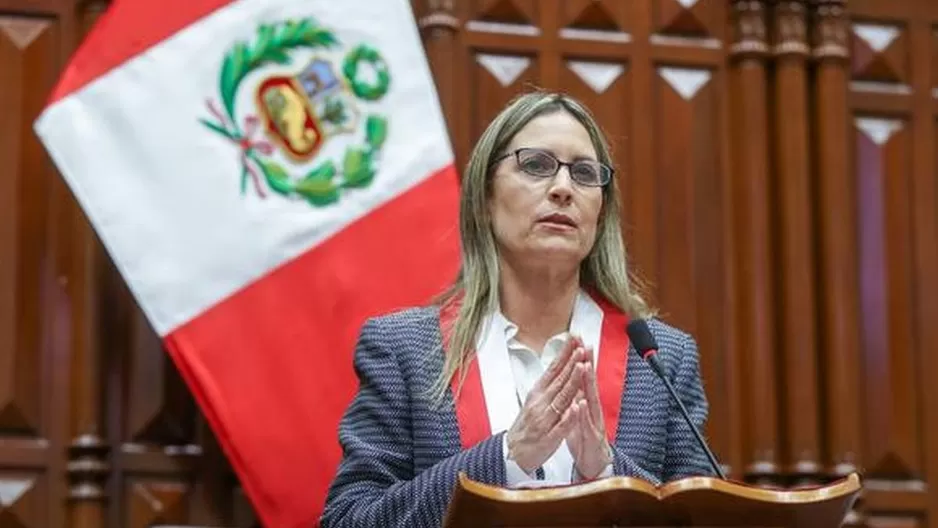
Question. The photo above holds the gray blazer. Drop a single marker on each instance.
(402, 454)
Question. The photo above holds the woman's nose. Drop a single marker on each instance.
(561, 186)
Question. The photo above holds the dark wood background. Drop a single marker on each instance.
(779, 179)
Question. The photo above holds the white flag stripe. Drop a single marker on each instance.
(163, 190)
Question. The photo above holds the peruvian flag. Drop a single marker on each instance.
(265, 174)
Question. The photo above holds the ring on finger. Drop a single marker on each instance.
(554, 408)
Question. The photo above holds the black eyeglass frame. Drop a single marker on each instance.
(609, 171)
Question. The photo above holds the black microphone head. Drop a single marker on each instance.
(641, 337)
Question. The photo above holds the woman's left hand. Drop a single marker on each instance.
(587, 440)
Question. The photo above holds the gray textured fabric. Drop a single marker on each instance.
(402, 455)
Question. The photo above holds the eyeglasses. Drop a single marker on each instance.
(542, 164)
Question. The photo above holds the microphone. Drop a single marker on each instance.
(647, 348)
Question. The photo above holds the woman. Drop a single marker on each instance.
(523, 371)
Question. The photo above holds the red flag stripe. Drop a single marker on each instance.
(252, 361)
(126, 29)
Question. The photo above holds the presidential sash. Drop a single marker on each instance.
(611, 360)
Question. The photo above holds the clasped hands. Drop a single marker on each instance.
(563, 405)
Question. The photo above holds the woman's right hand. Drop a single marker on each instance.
(546, 417)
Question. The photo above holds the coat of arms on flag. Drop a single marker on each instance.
(299, 106)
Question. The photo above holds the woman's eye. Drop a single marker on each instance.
(537, 164)
(586, 172)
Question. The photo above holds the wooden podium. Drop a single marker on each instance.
(621, 501)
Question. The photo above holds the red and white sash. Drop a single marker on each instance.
(489, 377)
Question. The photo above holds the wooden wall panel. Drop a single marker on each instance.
(602, 83)
(96, 427)
(883, 163)
(692, 280)
(494, 79)
(778, 177)
(30, 440)
(892, 102)
(686, 156)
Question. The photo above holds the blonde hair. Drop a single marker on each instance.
(604, 270)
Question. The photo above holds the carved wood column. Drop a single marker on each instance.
(88, 466)
(923, 189)
(438, 27)
(925, 240)
(795, 259)
(838, 275)
(754, 319)
(838, 250)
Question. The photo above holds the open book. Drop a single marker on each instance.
(625, 501)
